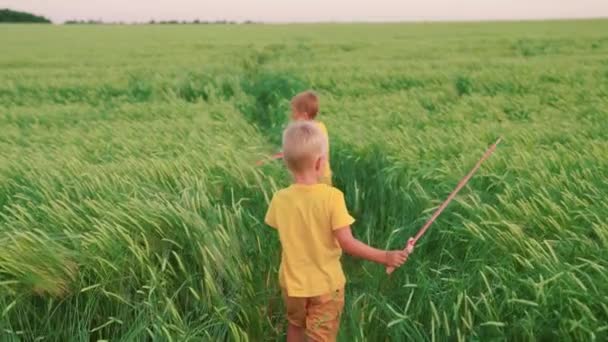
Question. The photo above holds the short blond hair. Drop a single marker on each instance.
(306, 102)
(303, 143)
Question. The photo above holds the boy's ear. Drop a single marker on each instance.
(318, 163)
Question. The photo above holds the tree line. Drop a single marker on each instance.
(159, 22)
(11, 16)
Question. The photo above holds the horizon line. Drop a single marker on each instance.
(311, 22)
(372, 20)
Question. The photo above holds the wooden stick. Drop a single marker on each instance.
(272, 157)
(461, 184)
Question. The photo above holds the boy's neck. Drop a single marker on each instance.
(305, 178)
(305, 118)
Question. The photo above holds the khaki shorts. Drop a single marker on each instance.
(319, 315)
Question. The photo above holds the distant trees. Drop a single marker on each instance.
(193, 22)
(159, 22)
(83, 22)
(10, 16)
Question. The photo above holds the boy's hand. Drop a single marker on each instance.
(410, 245)
(390, 259)
(409, 248)
(395, 259)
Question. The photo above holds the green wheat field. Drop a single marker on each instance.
(131, 208)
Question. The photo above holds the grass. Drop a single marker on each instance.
(130, 208)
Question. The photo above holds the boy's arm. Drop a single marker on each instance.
(270, 218)
(359, 249)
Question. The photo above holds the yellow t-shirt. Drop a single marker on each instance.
(327, 173)
(305, 217)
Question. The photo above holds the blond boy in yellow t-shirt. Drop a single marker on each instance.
(305, 106)
(314, 227)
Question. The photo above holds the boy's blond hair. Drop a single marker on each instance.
(303, 143)
(306, 102)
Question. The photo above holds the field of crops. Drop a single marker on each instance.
(131, 209)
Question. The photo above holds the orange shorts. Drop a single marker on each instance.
(319, 315)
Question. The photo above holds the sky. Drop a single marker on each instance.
(310, 10)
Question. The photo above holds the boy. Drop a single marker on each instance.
(305, 106)
(314, 227)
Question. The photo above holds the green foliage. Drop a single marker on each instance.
(195, 87)
(464, 86)
(131, 209)
(270, 93)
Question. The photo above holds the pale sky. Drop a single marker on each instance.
(310, 10)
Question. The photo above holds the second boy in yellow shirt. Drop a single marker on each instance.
(305, 106)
